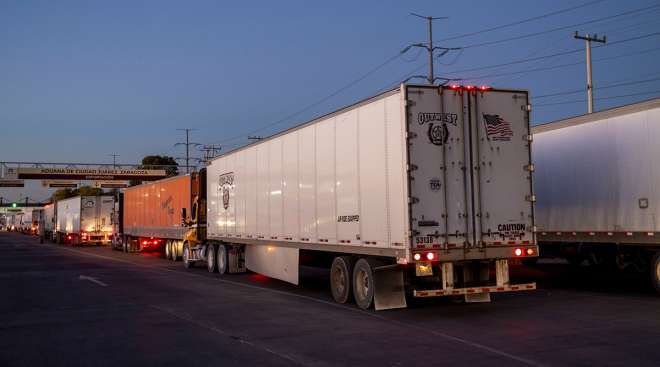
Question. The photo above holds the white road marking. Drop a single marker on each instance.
(93, 280)
(337, 305)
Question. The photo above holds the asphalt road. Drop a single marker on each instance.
(63, 306)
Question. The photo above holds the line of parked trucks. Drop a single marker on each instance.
(421, 191)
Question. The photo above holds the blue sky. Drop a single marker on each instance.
(83, 79)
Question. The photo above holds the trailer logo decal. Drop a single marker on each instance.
(438, 134)
(424, 117)
(226, 182)
(167, 205)
(496, 128)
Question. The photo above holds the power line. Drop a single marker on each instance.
(538, 17)
(188, 144)
(322, 100)
(562, 65)
(600, 98)
(607, 86)
(521, 61)
(114, 159)
(488, 43)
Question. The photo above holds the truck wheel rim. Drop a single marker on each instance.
(362, 286)
(185, 254)
(167, 250)
(339, 280)
(657, 272)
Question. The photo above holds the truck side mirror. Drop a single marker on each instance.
(183, 216)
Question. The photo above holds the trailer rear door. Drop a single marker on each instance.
(468, 154)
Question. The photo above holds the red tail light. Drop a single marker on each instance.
(469, 87)
(430, 256)
(484, 88)
(69, 237)
(454, 86)
(518, 252)
(145, 242)
(417, 256)
(530, 251)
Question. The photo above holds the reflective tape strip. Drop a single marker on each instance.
(474, 290)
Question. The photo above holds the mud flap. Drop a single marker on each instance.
(477, 297)
(389, 288)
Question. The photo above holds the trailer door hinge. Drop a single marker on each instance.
(529, 167)
(410, 103)
(414, 200)
(529, 137)
(531, 198)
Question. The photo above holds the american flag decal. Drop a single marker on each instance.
(497, 128)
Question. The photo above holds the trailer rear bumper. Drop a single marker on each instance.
(474, 290)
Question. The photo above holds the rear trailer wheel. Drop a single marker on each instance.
(341, 277)
(221, 259)
(363, 283)
(211, 264)
(655, 271)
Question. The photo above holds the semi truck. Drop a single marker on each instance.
(421, 191)
(84, 220)
(148, 216)
(597, 181)
(47, 223)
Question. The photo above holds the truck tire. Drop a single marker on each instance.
(211, 264)
(168, 249)
(174, 248)
(341, 278)
(221, 259)
(186, 257)
(363, 282)
(655, 271)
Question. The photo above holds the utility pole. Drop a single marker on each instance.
(431, 78)
(210, 151)
(187, 144)
(114, 159)
(590, 86)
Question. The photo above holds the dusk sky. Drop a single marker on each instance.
(83, 79)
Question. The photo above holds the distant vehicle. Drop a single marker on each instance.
(84, 220)
(37, 216)
(147, 217)
(47, 223)
(25, 221)
(597, 180)
(422, 191)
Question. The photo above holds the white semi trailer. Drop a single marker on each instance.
(597, 181)
(84, 219)
(421, 191)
